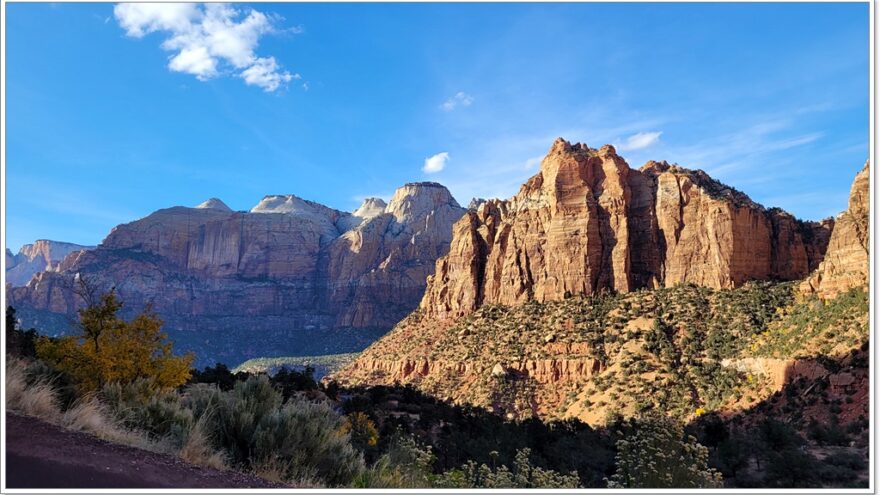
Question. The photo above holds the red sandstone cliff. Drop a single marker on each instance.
(847, 260)
(588, 223)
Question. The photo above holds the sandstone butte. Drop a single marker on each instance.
(235, 285)
(588, 223)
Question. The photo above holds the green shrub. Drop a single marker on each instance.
(304, 437)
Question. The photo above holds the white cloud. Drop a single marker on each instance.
(640, 141)
(204, 37)
(460, 99)
(435, 163)
(265, 74)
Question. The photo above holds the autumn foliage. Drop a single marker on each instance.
(111, 349)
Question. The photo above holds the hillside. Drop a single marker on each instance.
(523, 318)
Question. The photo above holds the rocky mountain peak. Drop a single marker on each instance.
(416, 200)
(40, 256)
(476, 203)
(654, 168)
(213, 204)
(371, 207)
(290, 204)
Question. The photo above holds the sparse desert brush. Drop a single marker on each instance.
(90, 415)
(32, 397)
(159, 412)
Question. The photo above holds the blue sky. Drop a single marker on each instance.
(114, 113)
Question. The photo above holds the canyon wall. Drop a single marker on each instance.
(285, 277)
(847, 260)
(588, 223)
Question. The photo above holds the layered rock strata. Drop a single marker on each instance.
(232, 285)
(588, 223)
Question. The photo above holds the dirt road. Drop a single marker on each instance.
(41, 455)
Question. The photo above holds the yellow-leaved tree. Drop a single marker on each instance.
(111, 349)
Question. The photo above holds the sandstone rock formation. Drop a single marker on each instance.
(847, 260)
(40, 256)
(515, 319)
(588, 223)
(285, 278)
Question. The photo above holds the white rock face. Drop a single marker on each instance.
(42, 255)
(334, 222)
(214, 204)
(417, 200)
(371, 207)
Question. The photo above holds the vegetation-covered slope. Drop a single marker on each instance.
(685, 350)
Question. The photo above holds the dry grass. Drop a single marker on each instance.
(38, 399)
(198, 450)
(90, 415)
(278, 471)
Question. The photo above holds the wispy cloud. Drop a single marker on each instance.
(460, 99)
(741, 150)
(206, 39)
(436, 163)
(640, 141)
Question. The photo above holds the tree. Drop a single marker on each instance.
(111, 349)
(19, 342)
(95, 318)
(362, 430)
(656, 454)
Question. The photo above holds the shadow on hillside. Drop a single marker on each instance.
(813, 432)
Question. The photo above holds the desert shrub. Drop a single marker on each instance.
(362, 431)
(405, 464)
(777, 435)
(523, 475)
(790, 467)
(848, 460)
(830, 434)
(236, 414)
(158, 412)
(306, 439)
(296, 440)
(655, 453)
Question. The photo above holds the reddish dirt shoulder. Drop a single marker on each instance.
(41, 455)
